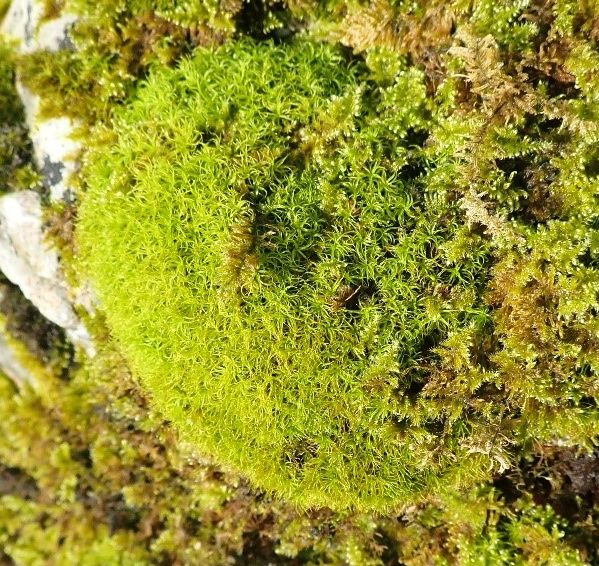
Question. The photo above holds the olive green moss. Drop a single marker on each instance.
(96, 478)
(113, 45)
(16, 171)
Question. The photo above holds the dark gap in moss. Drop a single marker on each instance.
(43, 339)
(17, 482)
(538, 126)
(508, 489)
(430, 249)
(352, 57)
(6, 560)
(548, 125)
(586, 21)
(541, 490)
(120, 516)
(206, 137)
(591, 167)
(301, 452)
(352, 297)
(557, 84)
(436, 427)
(414, 169)
(390, 548)
(111, 509)
(413, 390)
(83, 457)
(416, 137)
(514, 167)
(588, 258)
(564, 480)
(192, 525)
(484, 345)
(490, 392)
(252, 20)
(259, 550)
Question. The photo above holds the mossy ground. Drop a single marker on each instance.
(98, 478)
(478, 121)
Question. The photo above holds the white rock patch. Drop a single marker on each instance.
(30, 263)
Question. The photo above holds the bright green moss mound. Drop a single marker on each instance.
(263, 240)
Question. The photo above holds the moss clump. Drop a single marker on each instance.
(336, 278)
(278, 273)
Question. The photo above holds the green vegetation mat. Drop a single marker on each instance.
(349, 253)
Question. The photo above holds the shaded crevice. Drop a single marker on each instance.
(44, 339)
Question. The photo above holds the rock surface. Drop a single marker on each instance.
(54, 149)
(29, 262)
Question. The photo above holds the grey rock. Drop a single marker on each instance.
(55, 151)
(23, 23)
(25, 257)
(29, 262)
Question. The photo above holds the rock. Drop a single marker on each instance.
(54, 149)
(29, 262)
(23, 23)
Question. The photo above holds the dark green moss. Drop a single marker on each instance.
(16, 171)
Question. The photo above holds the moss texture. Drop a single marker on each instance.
(328, 288)
(285, 275)
(97, 478)
(394, 274)
(16, 171)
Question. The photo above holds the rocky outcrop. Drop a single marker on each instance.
(26, 257)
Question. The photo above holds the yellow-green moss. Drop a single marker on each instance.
(512, 144)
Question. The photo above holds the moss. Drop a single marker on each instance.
(16, 171)
(339, 234)
(97, 478)
(115, 44)
(317, 288)
(485, 114)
